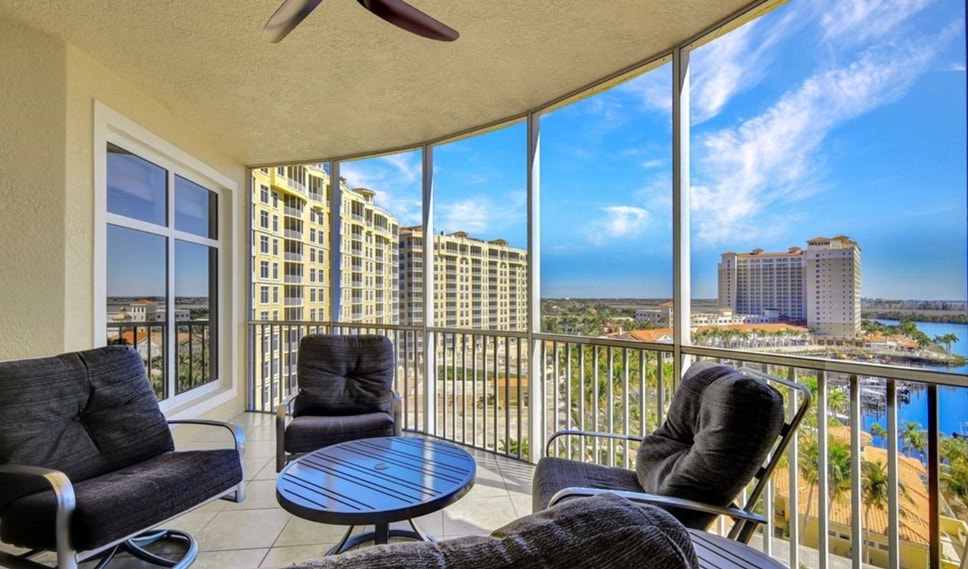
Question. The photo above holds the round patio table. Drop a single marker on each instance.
(375, 481)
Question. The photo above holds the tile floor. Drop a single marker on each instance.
(258, 533)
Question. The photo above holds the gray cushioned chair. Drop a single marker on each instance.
(88, 463)
(345, 392)
(591, 533)
(723, 428)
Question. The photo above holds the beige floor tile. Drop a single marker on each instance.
(259, 495)
(477, 516)
(304, 532)
(522, 504)
(242, 529)
(431, 525)
(279, 557)
(486, 489)
(267, 472)
(236, 559)
(260, 448)
(193, 522)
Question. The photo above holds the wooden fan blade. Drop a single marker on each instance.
(403, 15)
(287, 17)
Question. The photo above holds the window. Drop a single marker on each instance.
(615, 242)
(481, 226)
(264, 244)
(162, 266)
(264, 219)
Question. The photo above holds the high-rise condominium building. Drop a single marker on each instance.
(477, 284)
(291, 237)
(819, 286)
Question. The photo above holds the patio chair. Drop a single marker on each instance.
(344, 392)
(724, 428)
(88, 464)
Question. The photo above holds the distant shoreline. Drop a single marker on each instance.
(938, 316)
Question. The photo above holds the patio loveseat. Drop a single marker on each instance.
(88, 463)
(601, 532)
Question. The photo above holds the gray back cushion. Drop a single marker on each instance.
(83, 413)
(720, 427)
(344, 375)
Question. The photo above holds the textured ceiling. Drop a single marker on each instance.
(345, 82)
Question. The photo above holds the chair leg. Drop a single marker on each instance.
(136, 548)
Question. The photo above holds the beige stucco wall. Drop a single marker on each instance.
(47, 217)
(32, 172)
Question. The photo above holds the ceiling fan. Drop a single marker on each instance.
(397, 12)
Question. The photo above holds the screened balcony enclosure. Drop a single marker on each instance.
(551, 218)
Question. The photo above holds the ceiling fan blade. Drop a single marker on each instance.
(287, 17)
(403, 15)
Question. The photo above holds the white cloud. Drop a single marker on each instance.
(395, 180)
(863, 20)
(485, 216)
(618, 222)
(772, 158)
(468, 215)
(723, 68)
(653, 90)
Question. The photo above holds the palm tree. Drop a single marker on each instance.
(875, 487)
(954, 470)
(809, 470)
(913, 437)
(878, 431)
(837, 401)
(949, 339)
(838, 471)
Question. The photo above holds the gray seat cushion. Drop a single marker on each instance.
(116, 504)
(589, 533)
(309, 432)
(344, 375)
(554, 474)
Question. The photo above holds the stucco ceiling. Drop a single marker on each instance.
(345, 82)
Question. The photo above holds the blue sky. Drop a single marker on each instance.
(818, 119)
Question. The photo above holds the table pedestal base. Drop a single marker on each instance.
(380, 535)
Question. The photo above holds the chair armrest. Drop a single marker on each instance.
(595, 434)
(396, 411)
(66, 503)
(282, 410)
(656, 500)
(238, 436)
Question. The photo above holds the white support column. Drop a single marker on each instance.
(429, 346)
(335, 256)
(536, 384)
(681, 293)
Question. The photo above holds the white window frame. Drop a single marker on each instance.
(113, 127)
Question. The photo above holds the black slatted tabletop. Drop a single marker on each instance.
(375, 481)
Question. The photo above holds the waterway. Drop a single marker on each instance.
(952, 401)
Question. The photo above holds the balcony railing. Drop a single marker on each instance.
(474, 387)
